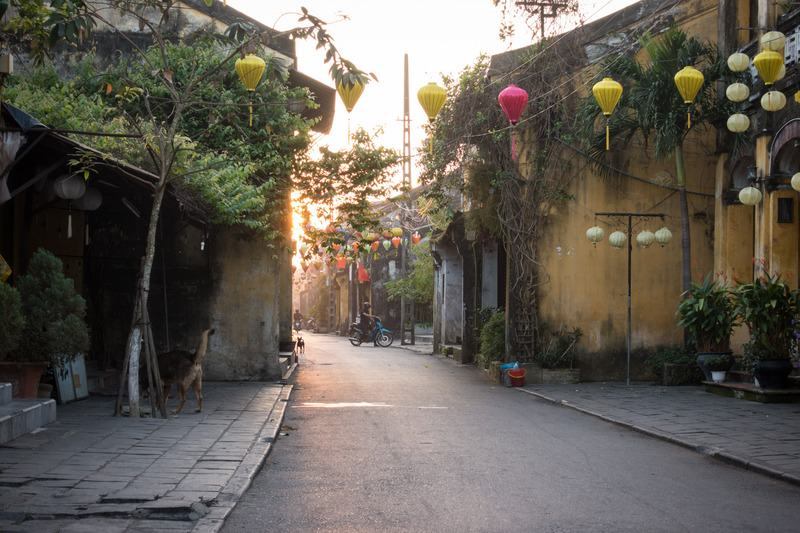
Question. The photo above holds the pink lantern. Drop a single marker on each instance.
(513, 99)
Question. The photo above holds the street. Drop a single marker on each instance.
(387, 439)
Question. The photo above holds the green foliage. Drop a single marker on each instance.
(673, 355)
(769, 307)
(321, 302)
(418, 284)
(717, 362)
(55, 329)
(555, 347)
(708, 313)
(12, 321)
(492, 340)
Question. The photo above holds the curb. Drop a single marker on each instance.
(716, 453)
(251, 465)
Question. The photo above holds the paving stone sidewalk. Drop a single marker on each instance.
(91, 471)
(761, 437)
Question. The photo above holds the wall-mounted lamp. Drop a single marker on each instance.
(750, 195)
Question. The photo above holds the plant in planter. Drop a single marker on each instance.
(673, 366)
(719, 366)
(769, 307)
(55, 330)
(24, 377)
(707, 311)
(11, 320)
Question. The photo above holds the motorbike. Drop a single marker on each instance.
(298, 325)
(379, 335)
(311, 324)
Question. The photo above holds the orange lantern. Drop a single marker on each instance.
(607, 94)
(396, 241)
(375, 245)
(416, 237)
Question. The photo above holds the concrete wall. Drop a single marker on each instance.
(244, 307)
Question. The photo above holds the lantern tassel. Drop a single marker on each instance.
(251, 113)
(689, 120)
(513, 142)
(69, 225)
(607, 137)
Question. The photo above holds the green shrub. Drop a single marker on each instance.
(492, 340)
(555, 348)
(11, 321)
(675, 355)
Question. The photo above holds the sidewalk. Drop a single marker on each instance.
(764, 438)
(91, 471)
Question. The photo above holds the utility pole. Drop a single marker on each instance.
(406, 304)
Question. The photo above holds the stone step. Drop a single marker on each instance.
(24, 415)
(6, 391)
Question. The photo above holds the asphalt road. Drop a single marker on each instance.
(385, 439)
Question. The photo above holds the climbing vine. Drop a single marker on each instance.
(471, 153)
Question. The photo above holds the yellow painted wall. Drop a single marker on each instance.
(587, 287)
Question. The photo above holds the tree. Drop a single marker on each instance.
(159, 110)
(418, 284)
(652, 109)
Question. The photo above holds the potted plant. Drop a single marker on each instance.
(22, 377)
(718, 365)
(708, 313)
(55, 331)
(769, 307)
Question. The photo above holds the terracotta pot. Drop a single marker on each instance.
(24, 378)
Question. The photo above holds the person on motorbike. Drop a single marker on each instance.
(365, 320)
(298, 319)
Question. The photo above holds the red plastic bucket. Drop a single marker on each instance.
(517, 377)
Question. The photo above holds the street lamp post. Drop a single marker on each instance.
(661, 236)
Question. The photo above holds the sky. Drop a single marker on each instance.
(439, 36)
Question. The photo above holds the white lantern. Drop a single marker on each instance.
(750, 196)
(645, 238)
(738, 62)
(781, 73)
(595, 234)
(663, 236)
(738, 123)
(796, 182)
(773, 101)
(737, 92)
(617, 239)
(90, 200)
(69, 186)
(773, 40)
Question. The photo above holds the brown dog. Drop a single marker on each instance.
(184, 369)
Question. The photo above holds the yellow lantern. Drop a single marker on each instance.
(250, 69)
(796, 182)
(617, 239)
(750, 196)
(607, 94)
(737, 92)
(773, 101)
(350, 93)
(768, 63)
(689, 80)
(738, 62)
(397, 232)
(773, 40)
(431, 97)
(738, 123)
